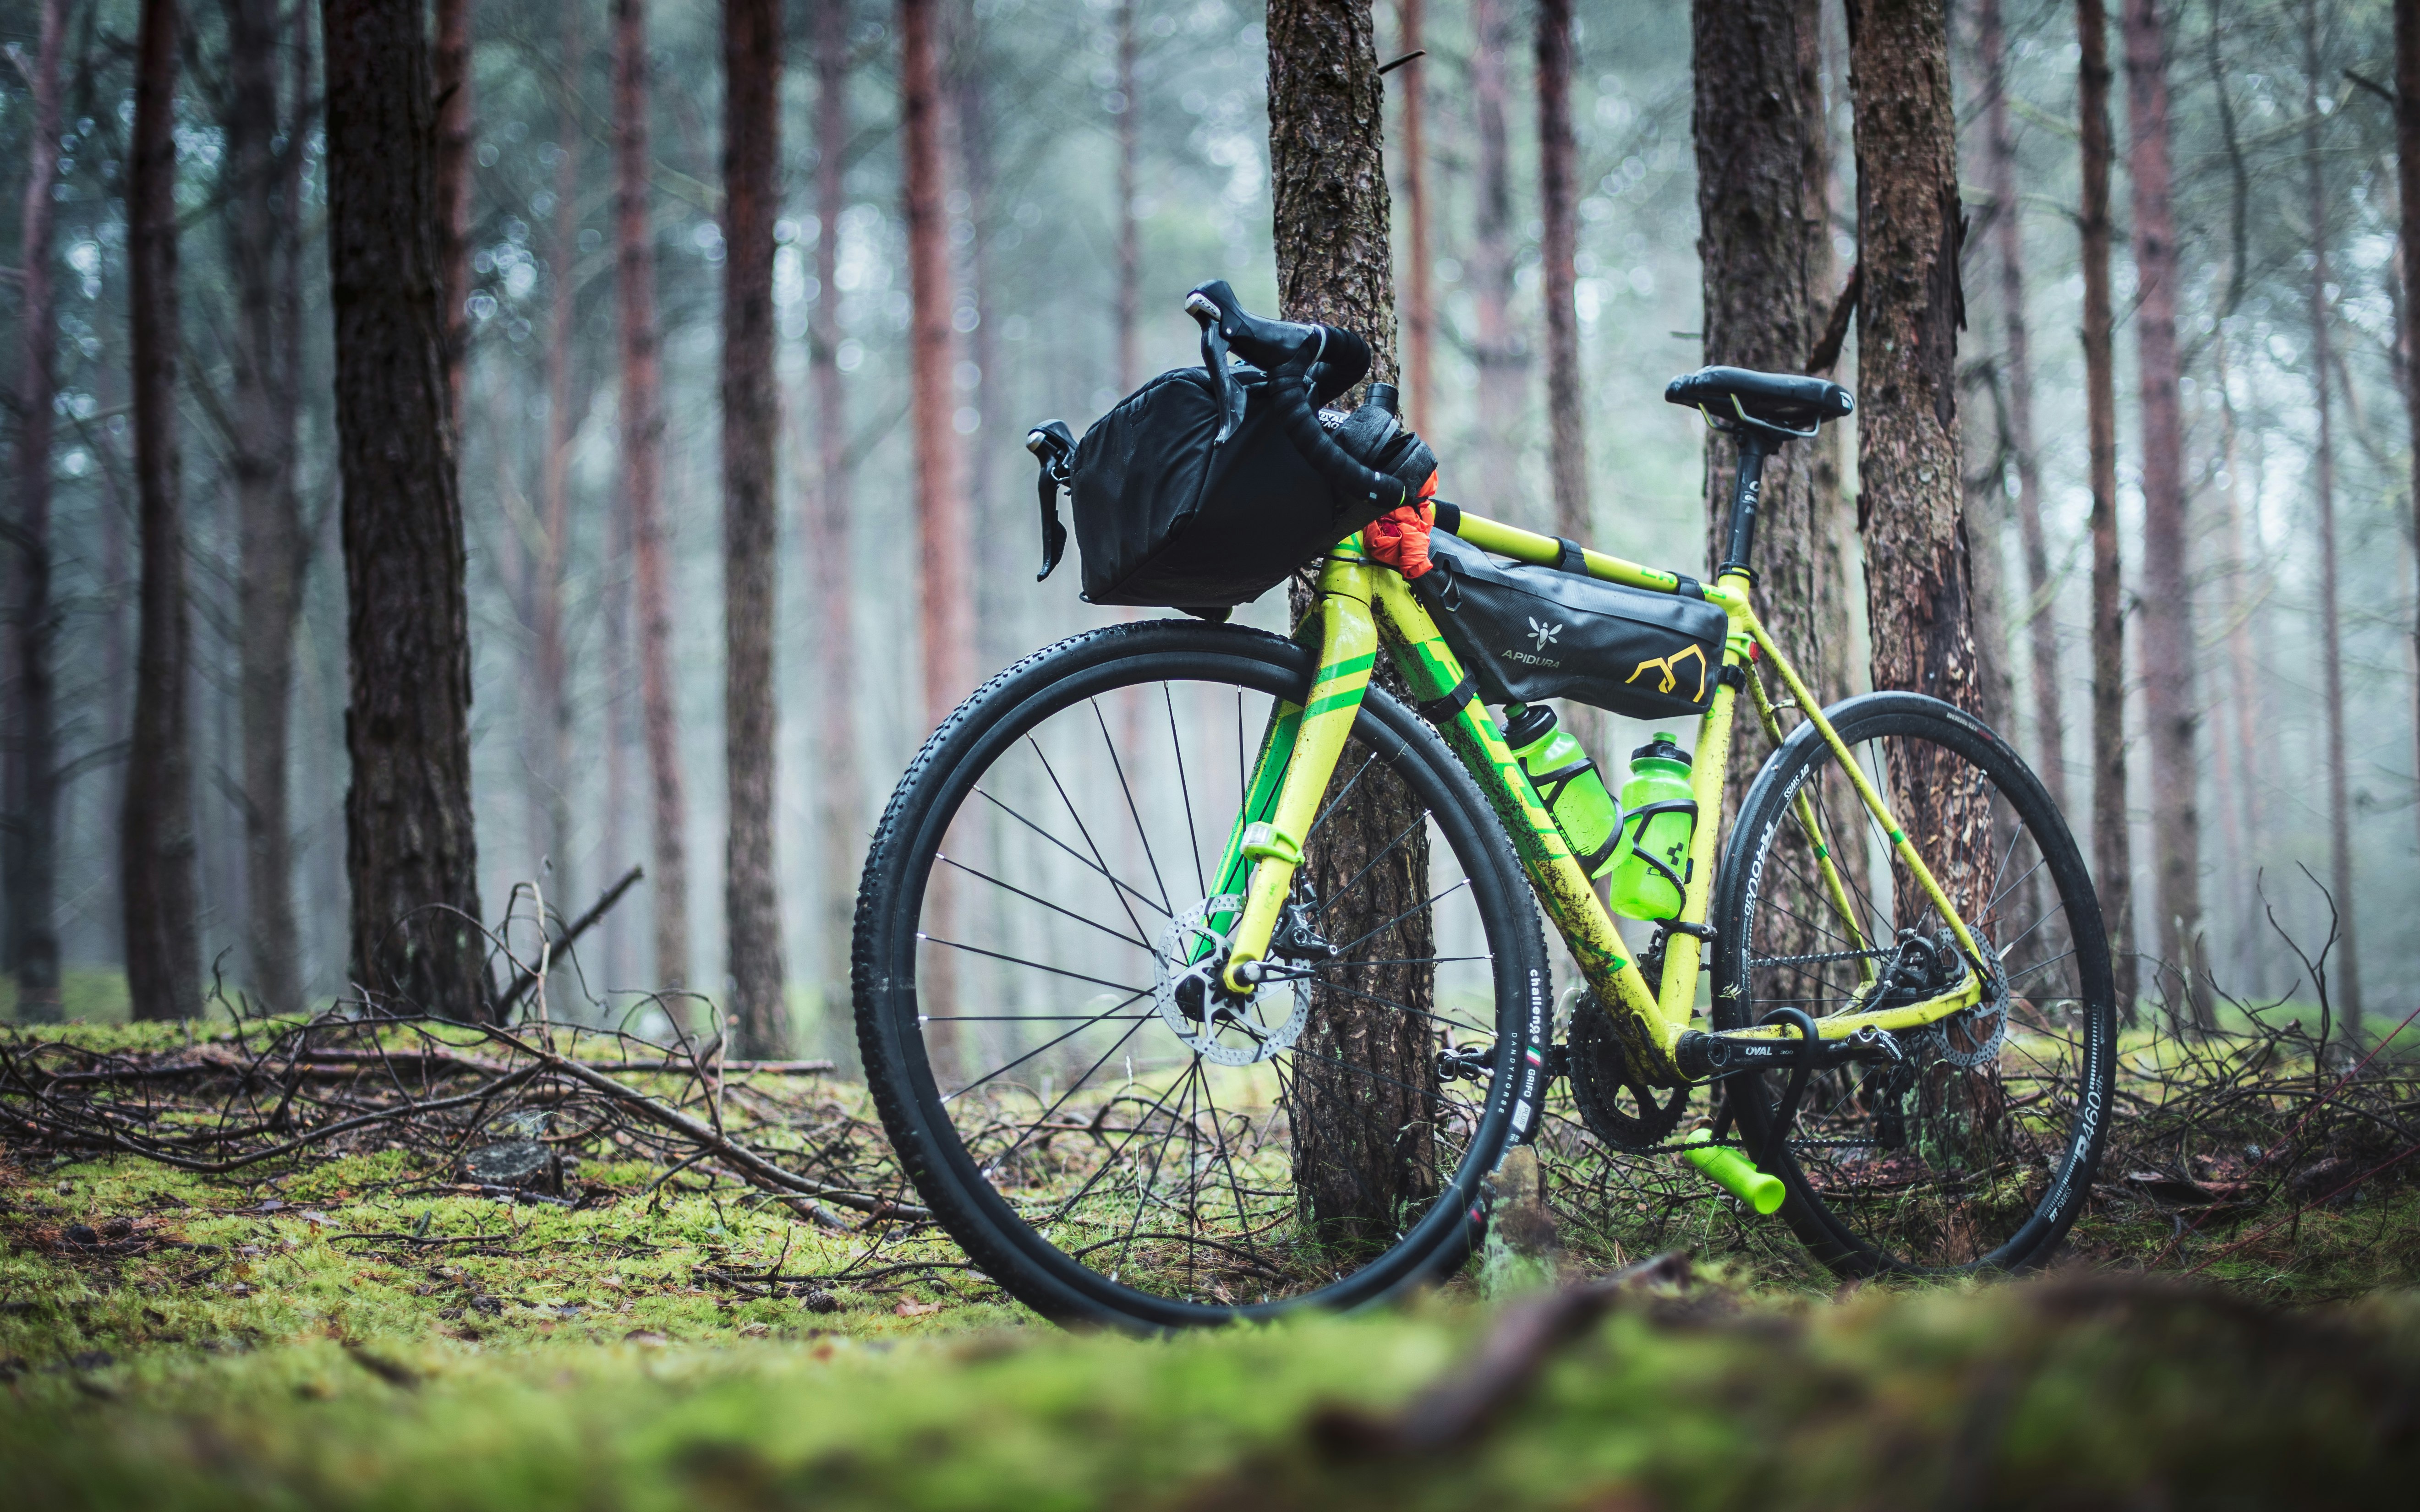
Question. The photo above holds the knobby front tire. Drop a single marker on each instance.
(1111, 1149)
(1978, 1153)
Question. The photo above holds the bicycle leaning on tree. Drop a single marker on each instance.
(1198, 976)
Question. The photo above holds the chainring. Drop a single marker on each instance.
(1620, 1108)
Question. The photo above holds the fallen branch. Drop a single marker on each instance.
(522, 984)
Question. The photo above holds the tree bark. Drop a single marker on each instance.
(643, 451)
(2113, 861)
(2007, 239)
(1419, 290)
(2407, 179)
(2167, 640)
(1559, 203)
(843, 838)
(452, 84)
(752, 56)
(164, 968)
(941, 466)
(552, 712)
(1129, 229)
(2345, 974)
(1831, 611)
(411, 851)
(1498, 349)
(32, 796)
(1362, 1113)
(260, 463)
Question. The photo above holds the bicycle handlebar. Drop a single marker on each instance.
(1307, 364)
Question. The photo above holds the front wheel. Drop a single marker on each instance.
(1106, 1132)
(1977, 1150)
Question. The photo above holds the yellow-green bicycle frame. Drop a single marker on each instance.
(1362, 603)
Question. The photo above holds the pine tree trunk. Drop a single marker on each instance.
(2407, 177)
(2008, 238)
(452, 84)
(1419, 289)
(1558, 244)
(642, 471)
(411, 851)
(553, 711)
(1831, 613)
(1492, 478)
(2167, 640)
(1360, 1149)
(2113, 860)
(1129, 227)
(164, 968)
(2344, 971)
(842, 827)
(751, 57)
(260, 465)
(30, 847)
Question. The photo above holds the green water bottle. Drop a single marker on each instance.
(1651, 862)
(1559, 767)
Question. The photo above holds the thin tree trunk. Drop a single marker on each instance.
(2113, 861)
(1361, 1114)
(2344, 971)
(32, 801)
(553, 703)
(411, 850)
(1831, 612)
(2007, 237)
(164, 968)
(642, 463)
(2167, 639)
(2243, 719)
(843, 830)
(752, 59)
(1987, 521)
(1129, 229)
(1419, 294)
(2407, 177)
(1559, 203)
(1498, 349)
(452, 84)
(261, 464)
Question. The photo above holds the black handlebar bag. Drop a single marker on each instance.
(1525, 633)
(1169, 515)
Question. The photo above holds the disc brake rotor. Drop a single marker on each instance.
(1195, 1003)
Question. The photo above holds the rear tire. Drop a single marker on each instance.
(1122, 1171)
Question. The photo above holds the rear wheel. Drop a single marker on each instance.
(1107, 1132)
(1977, 1150)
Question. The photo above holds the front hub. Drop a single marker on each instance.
(1193, 1000)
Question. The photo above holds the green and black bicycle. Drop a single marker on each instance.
(1199, 977)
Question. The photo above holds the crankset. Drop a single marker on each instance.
(1620, 1106)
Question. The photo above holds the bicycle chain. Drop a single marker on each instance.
(1816, 960)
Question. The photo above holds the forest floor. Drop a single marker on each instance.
(358, 1330)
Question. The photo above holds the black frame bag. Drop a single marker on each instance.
(1525, 633)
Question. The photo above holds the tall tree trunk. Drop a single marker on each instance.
(751, 60)
(32, 800)
(1498, 349)
(2346, 971)
(260, 463)
(410, 848)
(1831, 612)
(1559, 204)
(2008, 240)
(164, 967)
(1360, 1150)
(452, 84)
(1419, 290)
(1129, 227)
(843, 828)
(2113, 851)
(2243, 686)
(553, 710)
(642, 470)
(2407, 177)
(2167, 640)
(1909, 310)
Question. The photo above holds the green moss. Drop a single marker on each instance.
(86, 995)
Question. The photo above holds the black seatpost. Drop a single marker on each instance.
(1754, 447)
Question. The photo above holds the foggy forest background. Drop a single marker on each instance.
(1041, 98)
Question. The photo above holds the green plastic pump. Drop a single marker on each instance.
(1650, 864)
(1557, 766)
(1733, 1171)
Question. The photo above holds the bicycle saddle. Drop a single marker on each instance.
(1786, 401)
